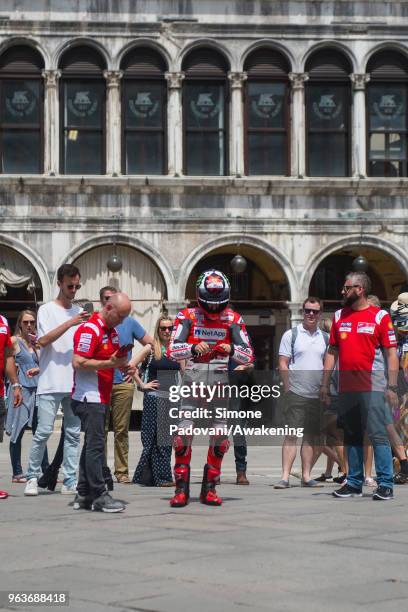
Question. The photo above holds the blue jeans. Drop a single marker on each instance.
(362, 412)
(48, 405)
(15, 449)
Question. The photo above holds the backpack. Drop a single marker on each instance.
(294, 336)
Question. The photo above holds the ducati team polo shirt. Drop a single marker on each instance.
(95, 341)
(359, 336)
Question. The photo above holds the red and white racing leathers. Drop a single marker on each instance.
(193, 326)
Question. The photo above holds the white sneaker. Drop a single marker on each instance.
(71, 490)
(31, 488)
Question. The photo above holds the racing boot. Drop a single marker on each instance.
(212, 470)
(182, 493)
(208, 495)
(182, 447)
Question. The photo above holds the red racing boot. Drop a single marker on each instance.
(208, 494)
(182, 493)
(212, 470)
(182, 447)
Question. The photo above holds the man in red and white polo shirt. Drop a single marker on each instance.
(8, 367)
(359, 333)
(96, 354)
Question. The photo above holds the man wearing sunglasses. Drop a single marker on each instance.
(358, 333)
(301, 356)
(56, 323)
(128, 331)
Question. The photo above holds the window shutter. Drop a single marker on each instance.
(143, 62)
(203, 63)
(328, 64)
(82, 60)
(267, 63)
(21, 60)
(388, 66)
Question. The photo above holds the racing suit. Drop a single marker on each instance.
(193, 326)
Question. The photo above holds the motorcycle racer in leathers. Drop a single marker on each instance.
(208, 337)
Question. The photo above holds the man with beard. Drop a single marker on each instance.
(358, 334)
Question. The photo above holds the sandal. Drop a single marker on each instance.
(20, 478)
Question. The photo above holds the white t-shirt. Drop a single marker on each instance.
(56, 373)
(306, 371)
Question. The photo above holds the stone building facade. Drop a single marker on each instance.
(180, 133)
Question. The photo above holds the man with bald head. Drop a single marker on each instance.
(96, 354)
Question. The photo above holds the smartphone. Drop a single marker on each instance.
(33, 339)
(88, 307)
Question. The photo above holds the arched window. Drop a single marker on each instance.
(205, 104)
(387, 114)
(82, 103)
(21, 111)
(144, 112)
(328, 114)
(266, 113)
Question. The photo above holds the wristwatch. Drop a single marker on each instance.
(16, 386)
(393, 388)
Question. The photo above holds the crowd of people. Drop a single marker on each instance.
(343, 381)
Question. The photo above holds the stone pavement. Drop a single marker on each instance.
(262, 550)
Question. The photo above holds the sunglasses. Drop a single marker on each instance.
(166, 328)
(346, 288)
(28, 322)
(76, 287)
(310, 311)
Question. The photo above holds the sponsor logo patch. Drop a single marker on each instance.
(3, 330)
(343, 335)
(205, 333)
(84, 336)
(84, 347)
(345, 327)
(365, 328)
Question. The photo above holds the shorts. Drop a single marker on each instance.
(303, 412)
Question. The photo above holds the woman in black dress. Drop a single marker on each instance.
(159, 372)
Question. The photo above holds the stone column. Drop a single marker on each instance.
(236, 124)
(51, 121)
(113, 121)
(174, 123)
(296, 315)
(298, 137)
(358, 127)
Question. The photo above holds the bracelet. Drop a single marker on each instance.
(393, 388)
(16, 386)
